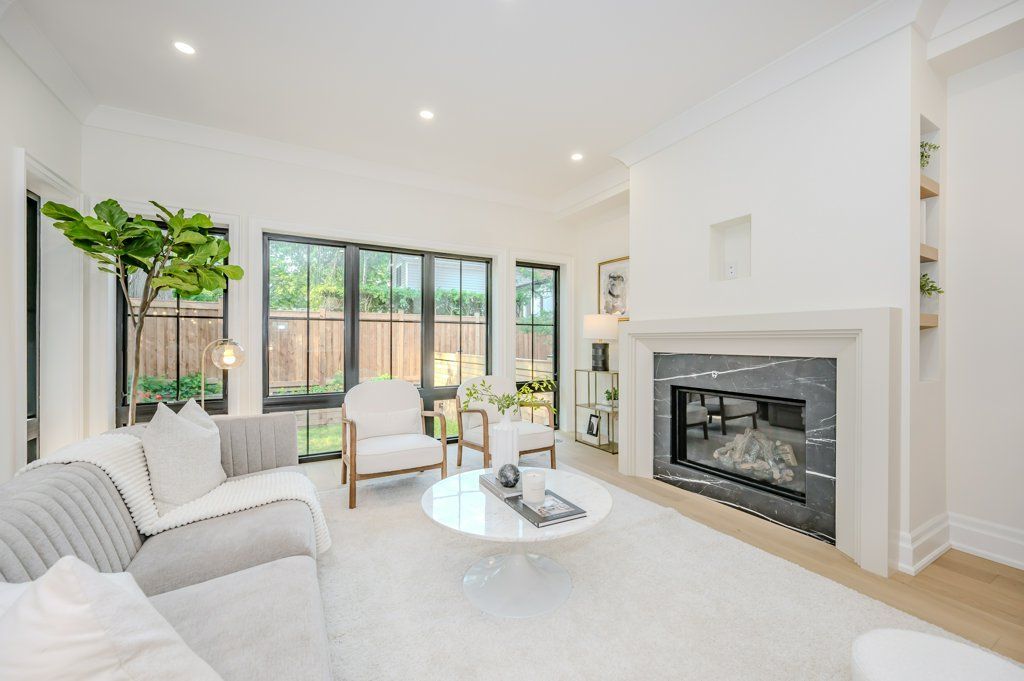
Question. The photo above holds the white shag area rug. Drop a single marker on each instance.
(655, 596)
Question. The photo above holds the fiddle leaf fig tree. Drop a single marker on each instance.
(182, 257)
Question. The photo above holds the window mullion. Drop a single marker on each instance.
(351, 316)
(429, 319)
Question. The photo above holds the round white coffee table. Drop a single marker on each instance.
(515, 583)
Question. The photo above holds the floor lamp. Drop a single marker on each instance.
(227, 354)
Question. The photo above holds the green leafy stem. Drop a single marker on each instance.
(524, 397)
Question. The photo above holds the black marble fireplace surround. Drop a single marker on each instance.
(794, 385)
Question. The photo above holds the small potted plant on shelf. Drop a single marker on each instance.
(928, 286)
(926, 153)
(612, 396)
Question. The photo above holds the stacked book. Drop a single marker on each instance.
(553, 510)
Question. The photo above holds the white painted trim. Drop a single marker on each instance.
(593, 191)
(928, 541)
(987, 37)
(21, 33)
(866, 345)
(994, 541)
(63, 371)
(870, 25)
(167, 129)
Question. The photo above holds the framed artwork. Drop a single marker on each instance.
(594, 425)
(613, 287)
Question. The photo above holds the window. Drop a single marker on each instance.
(32, 318)
(460, 321)
(537, 331)
(176, 332)
(404, 306)
(390, 316)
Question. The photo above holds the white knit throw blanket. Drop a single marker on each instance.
(121, 457)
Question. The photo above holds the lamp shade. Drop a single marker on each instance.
(600, 326)
(227, 354)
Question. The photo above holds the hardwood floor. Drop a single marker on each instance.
(972, 597)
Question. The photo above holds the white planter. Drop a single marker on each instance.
(504, 443)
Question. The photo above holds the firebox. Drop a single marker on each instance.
(759, 441)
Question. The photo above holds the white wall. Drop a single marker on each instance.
(821, 166)
(255, 194)
(604, 236)
(38, 136)
(984, 281)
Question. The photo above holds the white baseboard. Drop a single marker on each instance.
(925, 543)
(1001, 543)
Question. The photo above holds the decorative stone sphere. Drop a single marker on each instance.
(508, 475)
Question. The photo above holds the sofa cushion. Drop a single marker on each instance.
(63, 510)
(531, 435)
(218, 546)
(183, 455)
(396, 453)
(265, 622)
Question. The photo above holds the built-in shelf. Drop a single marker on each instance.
(929, 187)
(929, 253)
(929, 321)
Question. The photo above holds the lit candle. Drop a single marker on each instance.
(533, 487)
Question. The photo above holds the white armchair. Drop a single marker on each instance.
(384, 433)
(475, 423)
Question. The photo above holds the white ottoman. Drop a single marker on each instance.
(898, 655)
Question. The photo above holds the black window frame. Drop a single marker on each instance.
(32, 312)
(556, 322)
(334, 400)
(144, 411)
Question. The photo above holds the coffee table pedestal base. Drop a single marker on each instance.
(517, 584)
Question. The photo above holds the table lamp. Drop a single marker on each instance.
(601, 328)
(227, 354)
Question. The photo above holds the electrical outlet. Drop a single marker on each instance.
(730, 270)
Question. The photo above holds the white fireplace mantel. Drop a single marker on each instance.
(866, 346)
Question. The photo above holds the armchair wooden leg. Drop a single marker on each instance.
(552, 456)
(352, 492)
(460, 454)
(444, 459)
(487, 459)
(344, 471)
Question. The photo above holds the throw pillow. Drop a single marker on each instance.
(183, 455)
(11, 592)
(72, 624)
(398, 422)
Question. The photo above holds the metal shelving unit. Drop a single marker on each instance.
(590, 399)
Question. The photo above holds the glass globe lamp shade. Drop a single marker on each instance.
(227, 354)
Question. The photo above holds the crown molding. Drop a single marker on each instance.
(596, 190)
(20, 32)
(170, 130)
(870, 25)
(985, 37)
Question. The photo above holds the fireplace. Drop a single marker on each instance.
(754, 432)
(755, 440)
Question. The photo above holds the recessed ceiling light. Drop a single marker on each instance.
(577, 156)
(427, 115)
(184, 48)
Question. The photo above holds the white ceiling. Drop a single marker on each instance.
(517, 85)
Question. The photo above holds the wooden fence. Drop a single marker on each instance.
(388, 345)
